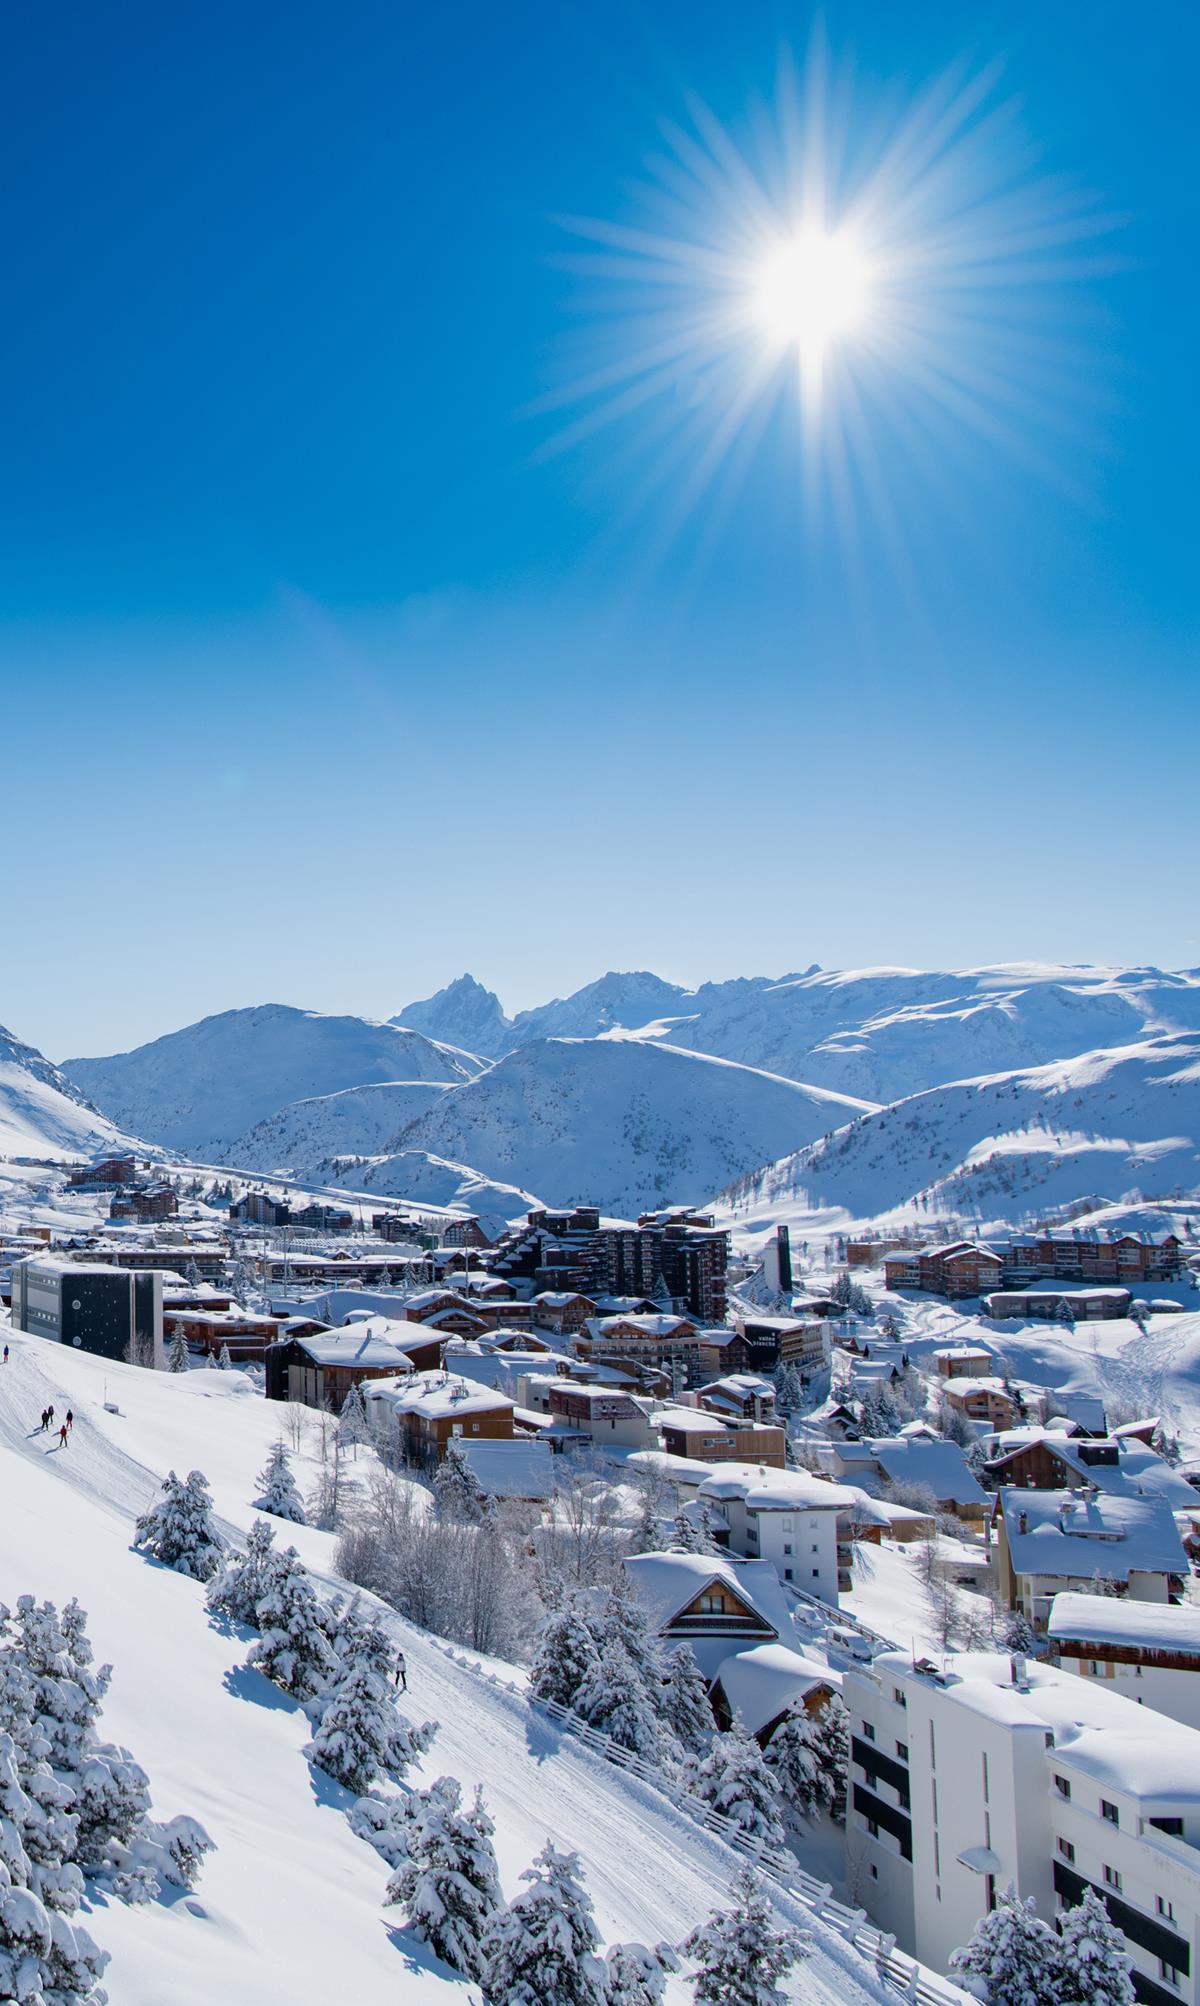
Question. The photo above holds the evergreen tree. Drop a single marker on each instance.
(293, 1650)
(178, 1360)
(831, 1746)
(362, 1734)
(792, 1760)
(278, 1493)
(734, 1780)
(1096, 1966)
(353, 1426)
(179, 1531)
(690, 1537)
(1015, 1955)
(741, 1953)
(457, 1496)
(624, 1619)
(236, 1589)
(448, 1881)
(615, 1700)
(224, 1361)
(565, 1653)
(541, 1949)
(685, 1701)
(637, 1975)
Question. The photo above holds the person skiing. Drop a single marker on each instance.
(62, 1436)
(6, 1354)
(50, 1412)
(70, 1420)
(45, 1419)
(401, 1678)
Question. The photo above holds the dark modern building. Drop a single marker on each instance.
(116, 1313)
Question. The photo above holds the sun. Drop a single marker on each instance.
(812, 291)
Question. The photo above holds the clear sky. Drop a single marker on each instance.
(349, 638)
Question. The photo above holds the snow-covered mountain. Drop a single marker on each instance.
(415, 1177)
(877, 1033)
(300, 1140)
(199, 1089)
(43, 1113)
(1114, 1126)
(620, 1123)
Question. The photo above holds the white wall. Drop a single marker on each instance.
(801, 1545)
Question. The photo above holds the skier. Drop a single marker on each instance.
(50, 1412)
(6, 1354)
(70, 1420)
(45, 1419)
(400, 1680)
(62, 1436)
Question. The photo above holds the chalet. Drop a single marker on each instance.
(1048, 1541)
(432, 1409)
(1057, 1305)
(928, 1465)
(684, 1431)
(464, 1231)
(1044, 1460)
(959, 1269)
(743, 1396)
(562, 1310)
(1150, 1651)
(962, 1361)
(321, 1368)
(1093, 1256)
(763, 1685)
(248, 1335)
(716, 1606)
(984, 1400)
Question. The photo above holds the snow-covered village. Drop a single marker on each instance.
(600, 1007)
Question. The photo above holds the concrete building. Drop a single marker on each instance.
(988, 1771)
(1147, 1651)
(114, 1312)
(790, 1519)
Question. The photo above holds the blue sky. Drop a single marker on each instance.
(333, 661)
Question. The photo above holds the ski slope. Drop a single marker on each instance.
(289, 1908)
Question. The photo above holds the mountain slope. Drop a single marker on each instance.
(620, 1123)
(43, 1113)
(199, 1089)
(1115, 1125)
(302, 1138)
(464, 1013)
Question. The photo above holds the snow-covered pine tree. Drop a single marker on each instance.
(457, 1496)
(1096, 1965)
(734, 1780)
(624, 1618)
(293, 1650)
(792, 1760)
(236, 1589)
(449, 1882)
(690, 1536)
(565, 1654)
(685, 1704)
(179, 1531)
(362, 1734)
(831, 1745)
(354, 1429)
(278, 1492)
(224, 1360)
(1015, 1955)
(615, 1700)
(637, 1974)
(541, 1949)
(178, 1360)
(42, 1954)
(741, 1952)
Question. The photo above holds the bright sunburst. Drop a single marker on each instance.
(902, 275)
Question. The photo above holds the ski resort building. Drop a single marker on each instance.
(988, 1770)
(764, 1684)
(959, 1269)
(1049, 1541)
(1147, 1651)
(790, 1519)
(321, 1368)
(432, 1409)
(678, 1254)
(95, 1308)
(717, 1606)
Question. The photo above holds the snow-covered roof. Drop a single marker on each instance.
(665, 1583)
(940, 1466)
(660, 1325)
(964, 1386)
(436, 1395)
(762, 1683)
(511, 1469)
(1111, 1619)
(356, 1346)
(953, 1351)
(782, 1490)
(1077, 1535)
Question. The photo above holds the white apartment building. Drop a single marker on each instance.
(1148, 1651)
(987, 1770)
(787, 1517)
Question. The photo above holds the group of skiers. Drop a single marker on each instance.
(64, 1429)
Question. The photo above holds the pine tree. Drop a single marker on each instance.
(178, 1360)
(224, 1360)
(792, 1760)
(362, 1734)
(293, 1650)
(624, 1619)
(636, 1974)
(734, 1780)
(689, 1537)
(615, 1700)
(741, 1953)
(565, 1653)
(685, 1701)
(541, 1949)
(1096, 1966)
(448, 1881)
(179, 1531)
(1016, 1956)
(277, 1486)
(831, 1746)
(353, 1426)
(236, 1589)
(457, 1496)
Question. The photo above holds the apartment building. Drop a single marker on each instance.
(1147, 1651)
(988, 1771)
(790, 1519)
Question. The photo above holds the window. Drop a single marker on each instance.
(1112, 1878)
(902, 1750)
(898, 1695)
(816, 1574)
(1066, 1849)
(1172, 1826)
(872, 1828)
(787, 1545)
(873, 1870)
(1062, 1786)
(868, 1731)
(1165, 1908)
(1169, 1973)
(985, 1780)
(787, 1573)
(1109, 1811)
(815, 1547)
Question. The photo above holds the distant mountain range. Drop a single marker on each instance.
(980, 1092)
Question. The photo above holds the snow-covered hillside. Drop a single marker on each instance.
(414, 1177)
(302, 1138)
(1111, 1125)
(199, 1089)
(878, 1033)
(620, 1123)
(43, 1113)
(289, 1910)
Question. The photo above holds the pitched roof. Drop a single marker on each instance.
(762, 1683)
(1079, 1535)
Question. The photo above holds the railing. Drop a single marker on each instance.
(901, 1972)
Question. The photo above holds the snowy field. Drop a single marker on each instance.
(289, 1906)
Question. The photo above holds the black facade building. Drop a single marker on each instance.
(113, 1312)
